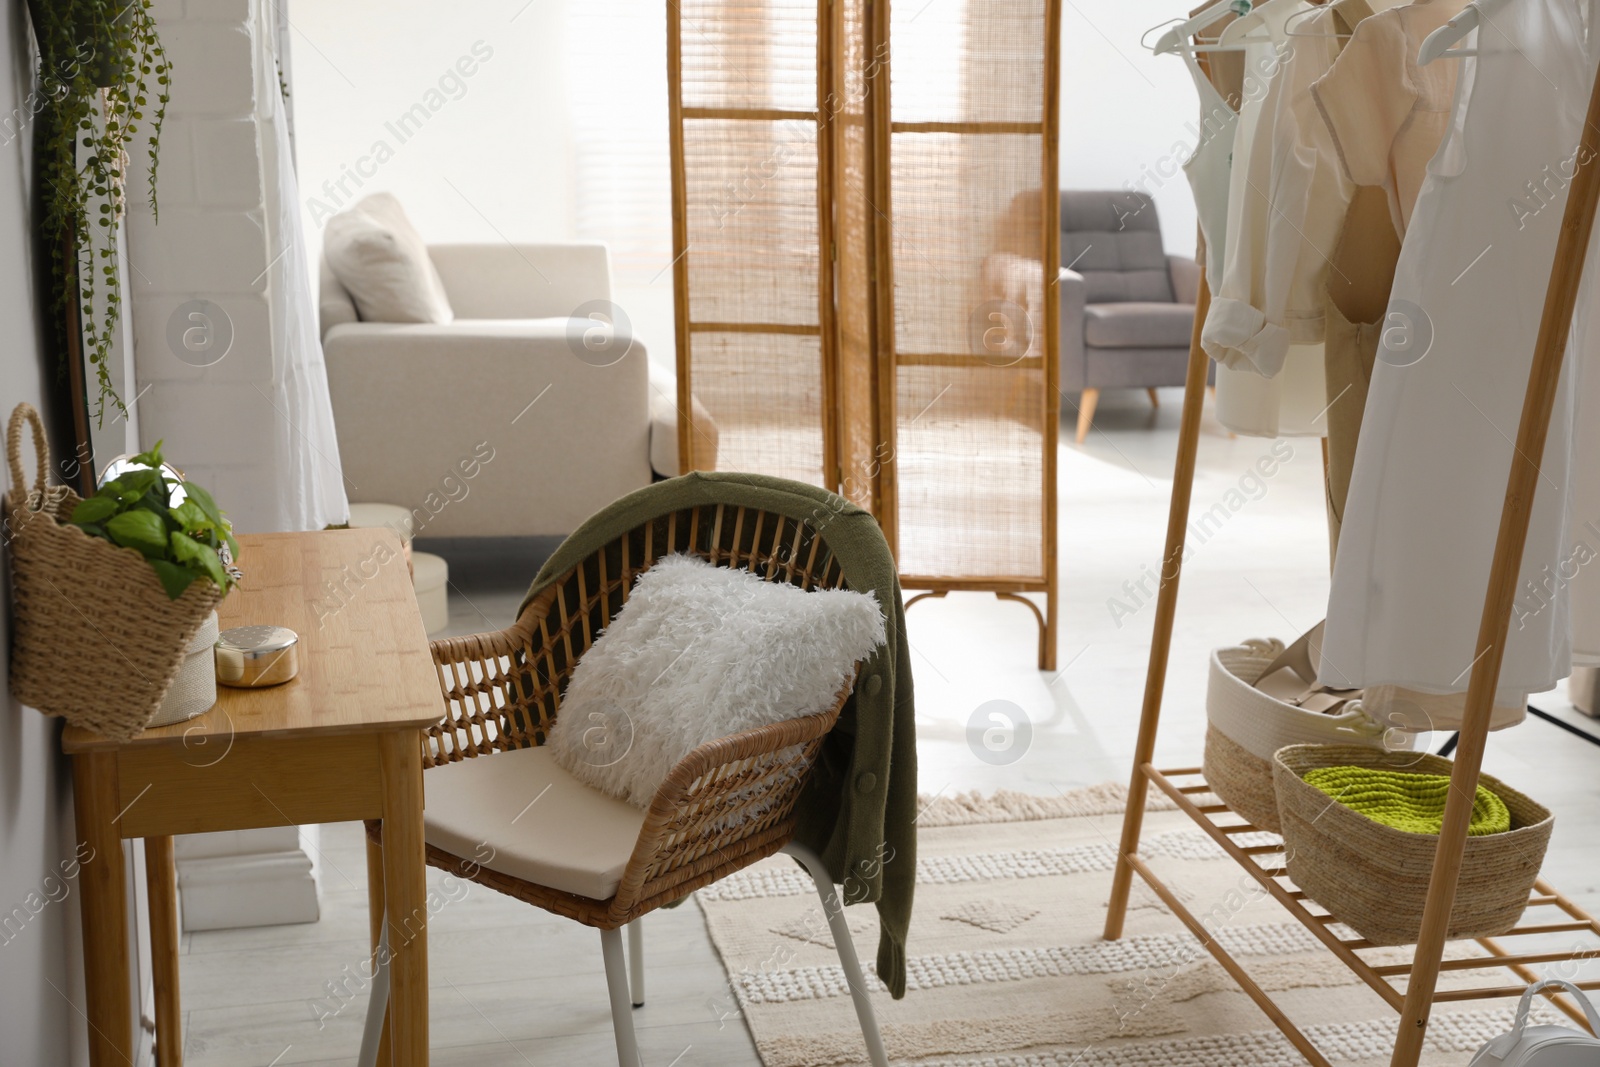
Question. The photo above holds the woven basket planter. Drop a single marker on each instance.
(95, 638)
(1374, 878)
(1245, 726)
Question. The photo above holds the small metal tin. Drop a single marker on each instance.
(251, 657)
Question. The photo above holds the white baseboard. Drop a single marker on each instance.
(252, 878)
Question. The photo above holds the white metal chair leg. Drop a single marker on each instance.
(847, 950)
(378, 1002)
(636, 961)
(621, 1007)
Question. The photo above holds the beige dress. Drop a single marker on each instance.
(1384, 119)
(1386, 114)
(1357, 293)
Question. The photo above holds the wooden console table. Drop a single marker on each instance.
(340, 742)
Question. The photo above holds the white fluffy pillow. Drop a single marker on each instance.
(697, 653)
(383, 263)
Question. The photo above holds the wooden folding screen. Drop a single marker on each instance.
(861, 254)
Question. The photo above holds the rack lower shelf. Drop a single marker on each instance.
(1263, 862)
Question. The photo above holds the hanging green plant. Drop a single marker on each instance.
(103, 79)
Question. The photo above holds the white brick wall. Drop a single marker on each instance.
(213, 243)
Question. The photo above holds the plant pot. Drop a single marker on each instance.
(194, 688)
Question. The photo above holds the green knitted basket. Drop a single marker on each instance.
(1405, 800)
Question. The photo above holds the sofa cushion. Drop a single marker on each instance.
(520, 814)
(383, 264)
(1138, 325)
(1133, 368)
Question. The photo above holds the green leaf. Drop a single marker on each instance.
(139, 529)
(193, 519)
(174, 579)
(151, 458)
(132, 485)
(95, 509)
(206, 504)
(187, 550)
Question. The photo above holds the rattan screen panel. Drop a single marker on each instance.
(969, 477)
(861, 272)
(860, 444)
(755, 54)
(764, 392)
(749, 244)
(754, 253)
(974, 407)
(969, 61)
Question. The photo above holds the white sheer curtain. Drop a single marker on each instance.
(308, 482)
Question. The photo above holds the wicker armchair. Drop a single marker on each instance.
(726, 805)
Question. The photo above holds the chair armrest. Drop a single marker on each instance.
(1074, 298)
(1185, 274)
(490, 703)
(522, 281)
(725, 805)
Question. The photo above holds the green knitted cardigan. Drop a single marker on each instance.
(859, 809)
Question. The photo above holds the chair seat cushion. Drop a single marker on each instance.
(520, 814)
(1138, 325)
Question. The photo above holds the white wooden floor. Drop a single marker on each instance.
(513, 986)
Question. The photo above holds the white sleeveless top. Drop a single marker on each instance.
(1208, 165)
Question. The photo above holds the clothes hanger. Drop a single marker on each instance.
(1237, 32)
(1177, 37)
(1438, 43)
(1300, 16)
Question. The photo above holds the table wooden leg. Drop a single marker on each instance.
(375, 926)
(405, 895)
(161, 880)
(103, 901)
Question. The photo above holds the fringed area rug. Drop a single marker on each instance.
(1007, 967)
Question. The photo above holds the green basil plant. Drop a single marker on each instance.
(174, 524)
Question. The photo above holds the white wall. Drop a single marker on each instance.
(37, 1023)
(1127, 116)
(488, 158)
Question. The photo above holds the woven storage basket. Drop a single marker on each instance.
(1374, 878)
(95, 638)
(1245, 726)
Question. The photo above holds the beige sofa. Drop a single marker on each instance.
(495, 425)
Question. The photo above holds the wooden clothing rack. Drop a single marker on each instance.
(1265, 863)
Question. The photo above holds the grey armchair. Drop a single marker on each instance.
(1127, 308)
